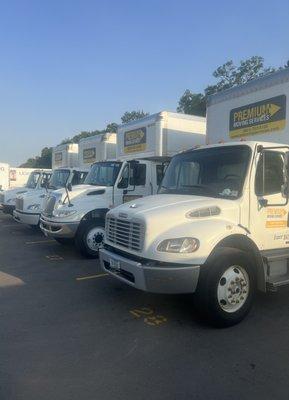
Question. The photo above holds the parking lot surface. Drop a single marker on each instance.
(69, 331)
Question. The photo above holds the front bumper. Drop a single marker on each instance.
(8, 209)
(151, 276)
(58, 229)
(26, 218)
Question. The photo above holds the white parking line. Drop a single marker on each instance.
(41, 241)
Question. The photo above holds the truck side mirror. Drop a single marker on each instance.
(69, 187)
(122, 183)
(285, 186)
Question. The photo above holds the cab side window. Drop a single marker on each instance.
(78, 178)
(139, 175)
(269, 180)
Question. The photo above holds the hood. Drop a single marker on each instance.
(171, 205)
(13, 193)
(166, 216)
(78, 190)
(33, 194)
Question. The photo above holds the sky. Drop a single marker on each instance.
(73, 65)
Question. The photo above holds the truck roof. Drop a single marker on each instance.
(163, 114)
(98, 137)
(272, 79)
(250, 143)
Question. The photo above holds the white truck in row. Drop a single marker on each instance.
(219, 225)
(143, 149)
(66, 171)
(11, 178)
(37, 179)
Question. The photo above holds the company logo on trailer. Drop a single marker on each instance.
(257, 118)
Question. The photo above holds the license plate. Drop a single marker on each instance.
(114, 264)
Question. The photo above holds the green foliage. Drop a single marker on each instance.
(192, 103)
(42, 161)
(227, 75)
(133, 115)
(230, 75)
(112, 127)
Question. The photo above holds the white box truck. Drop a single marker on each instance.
(34, 182)
(28, 206)
(65, 155)
(18, 177)
(97, 148)
(4, 176)
(219, 225)
(143, 148)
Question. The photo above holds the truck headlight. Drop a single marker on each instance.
(179, 245)
(33, 207)
(63, 213)
(12, 200)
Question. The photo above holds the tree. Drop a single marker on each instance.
(192, 103)
(112, 127)
(42, 161)
(133, 115)
(228, 75)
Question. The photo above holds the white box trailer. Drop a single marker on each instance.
(159, 135)
(65, 155)
(18, 176)
(97, 148)
(254, 111)
(4, 176)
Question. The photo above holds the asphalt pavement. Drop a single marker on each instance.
(69, 331)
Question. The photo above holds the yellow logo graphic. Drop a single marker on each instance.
(260, 117)
(275, 218)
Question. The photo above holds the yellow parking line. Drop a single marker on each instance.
(41, 241)
(83, 278)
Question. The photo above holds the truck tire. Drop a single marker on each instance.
(89, 237)
(64, 241)
(226, 288)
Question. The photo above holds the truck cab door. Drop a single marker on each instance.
(268, 205)
(134, 182)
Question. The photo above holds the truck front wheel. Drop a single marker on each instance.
(90, 236)
(226, 288)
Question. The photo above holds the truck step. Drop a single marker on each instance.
(277, 281)
(275, 255)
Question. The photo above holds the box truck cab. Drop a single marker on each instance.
(28, 205)
(143, 149)
(35, 181)
(219, 225)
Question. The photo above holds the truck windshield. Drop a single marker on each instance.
(33, 180)
(103, 173)
(213, 172)
(59, 178)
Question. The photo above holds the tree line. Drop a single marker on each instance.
(227, 76)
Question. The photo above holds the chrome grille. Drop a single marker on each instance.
(128, 234)
(49, 205)
(2, 198)
(19, 203)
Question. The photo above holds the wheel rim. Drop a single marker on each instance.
(233, 289)
(94, 238)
